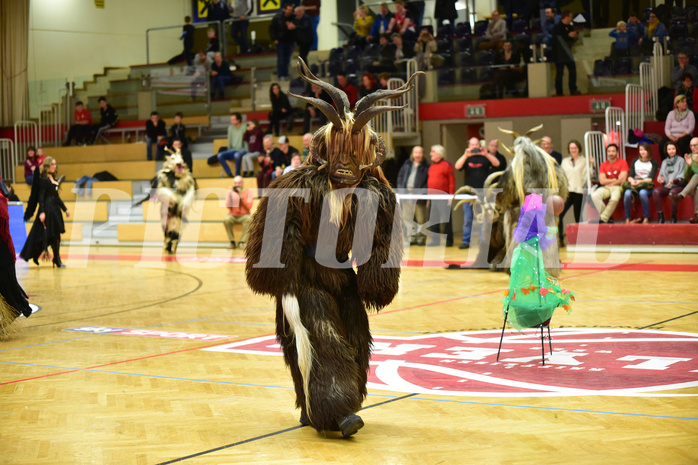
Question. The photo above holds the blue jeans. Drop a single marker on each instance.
(84, 185)
(160, 151)
(644, 200)
(219, 82)
(236, 155)
(314, 20)
(238, 31)
(283, 57)
(467, 222)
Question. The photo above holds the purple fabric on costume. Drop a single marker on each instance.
(532, 222)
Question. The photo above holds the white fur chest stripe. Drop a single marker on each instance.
(289, 302)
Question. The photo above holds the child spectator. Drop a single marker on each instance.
(622, 43)
(213, 45)
(178, 130)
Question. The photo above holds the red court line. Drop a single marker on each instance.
(113, 363)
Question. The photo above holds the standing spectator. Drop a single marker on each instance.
(381, 24)
(441, 180)
(221, 75)
(214, 45)
(179, 146)
(402, 22)
(564, 37)
(509, 72)
(80, 129)
(237, 147)
(304, 33)
(425, 49)
(178, 130)
(238, 201)
(312, 8)
(546, 143)
(689, 91)
(549, 21)
(281, 156)
(682, 67)
(253, 137)
(312, 112)
(155, 133)
(627, 10)
(477, 165)
(187, 39)
(493, 150)
(679, 126)
(636, 29)
(280, 109)
(282, 31)
(640, 184)
(348, 88)
(108, 119)
(31, 163)
(691, 174)
(496, 32)
(612, 174)
(655, 32)
(216, 10)
(368, 85)
(671, 179)
(621, 46)
(241, 10)
(265, 163)
(445, 10)
(575, 169)
(363, 22)
(412, 179)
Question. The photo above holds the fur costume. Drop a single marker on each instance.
(321, 303)
(13, 299)
(175, 191)
(531, 170)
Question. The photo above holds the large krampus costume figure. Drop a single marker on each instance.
(303, 232)
(531, 170)
(175, 191)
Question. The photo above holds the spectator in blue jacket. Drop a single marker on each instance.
(381, 24)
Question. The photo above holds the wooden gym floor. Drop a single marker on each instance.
(155, 396)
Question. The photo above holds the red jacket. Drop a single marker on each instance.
(442, 177)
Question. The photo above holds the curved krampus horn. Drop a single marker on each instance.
(532, 130)
(380, 152)
(364, 112)
(506, 149)
(341, 102)
(464, 190)
(510, 132)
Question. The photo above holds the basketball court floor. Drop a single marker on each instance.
(134, 359)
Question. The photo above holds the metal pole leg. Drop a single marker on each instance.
(506, 314)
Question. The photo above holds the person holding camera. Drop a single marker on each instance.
(238, 201)
(426, 48)
(477, 165)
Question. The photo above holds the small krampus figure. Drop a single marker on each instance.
(312, 226)
(175, 191)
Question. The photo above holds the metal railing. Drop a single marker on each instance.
(406, 121)
(595, 151)
(648, 83)
(615, 123)
(8, 159)
(634, 106)
(207, 24)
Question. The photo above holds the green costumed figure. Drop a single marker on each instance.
(533, 294)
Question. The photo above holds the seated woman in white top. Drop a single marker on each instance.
(640, 184)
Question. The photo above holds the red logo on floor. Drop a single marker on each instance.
(583, 362)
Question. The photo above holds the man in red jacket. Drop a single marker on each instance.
(441, 180)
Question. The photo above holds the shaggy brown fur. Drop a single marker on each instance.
(176, 188)
(321, 319)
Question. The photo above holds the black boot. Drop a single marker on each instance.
(56, 246)
(674, 217)
(661, 218)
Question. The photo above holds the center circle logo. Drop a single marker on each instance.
(584, 361)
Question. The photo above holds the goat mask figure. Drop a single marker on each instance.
(336, 204)
(175, 191)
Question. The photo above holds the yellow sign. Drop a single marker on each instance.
(269, 5)
(99, 3)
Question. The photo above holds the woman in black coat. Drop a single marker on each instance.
(412, 179)
(280, 109)
(48, 225)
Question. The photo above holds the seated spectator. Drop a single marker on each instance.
(494, 35)
(221, 75)
(178, 130)
(655, 32)
(108, 119)
(612, 174)
(575, 168)
(178, 146)
(510, 70)
(363, 23)
(689, 91)
(202, 66)
(691, 175)
(214, 45)
(402, 53)
(381, 24)
(671, 179)
(546, 34)
(368, 85)
(281, 156)
(622, 44)
(31, 163)
(238, 201)
(311, 112)
(679, 126)
(383, 79)
(265, 163)
(307, 139)
(682, 67)
(295, 163)
(640, 184)
(254, 138)
(237, 147)
(81, 128)
(83, 186)
(636, 29)
(385, 61)
(425, 49)
(280, 110)
(155, 133)
(402, 22)
(11, 195)
(348, 88)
